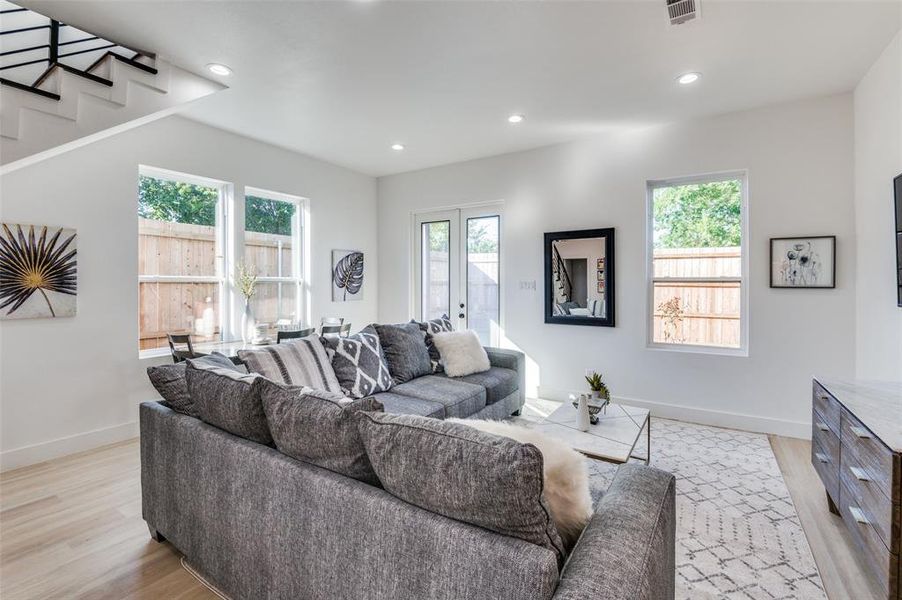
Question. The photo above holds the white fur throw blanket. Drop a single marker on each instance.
(566, 476)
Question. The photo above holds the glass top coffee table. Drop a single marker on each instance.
(613, 438)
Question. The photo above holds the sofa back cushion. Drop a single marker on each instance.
(430, 328)
(462, 473)
(170, 382)
(405, 351)
(358, 362)
(299, 362)
(229, 400)
(318, 428)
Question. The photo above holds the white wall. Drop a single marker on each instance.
(71, 384)
(878, 158)
(799, 162)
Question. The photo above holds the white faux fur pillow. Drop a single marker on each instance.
(461, 353)
(565, 473)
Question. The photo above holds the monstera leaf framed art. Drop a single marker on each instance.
(37, 272)
(347, 275)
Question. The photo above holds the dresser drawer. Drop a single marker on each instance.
(884, 564)
(875, 458)
(827, 466)
(877, 508)
(827, 406)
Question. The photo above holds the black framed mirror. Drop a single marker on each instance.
(579, 277)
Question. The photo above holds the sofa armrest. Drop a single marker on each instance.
(510, 359)
(627, 551)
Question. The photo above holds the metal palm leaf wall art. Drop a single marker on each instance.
(347, 275)
(37, 272)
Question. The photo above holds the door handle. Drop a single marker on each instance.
(858, 515)
(461, 304)
(822, 457)
(822, 426)
(461, 316)
(859, 474)
(860, 432)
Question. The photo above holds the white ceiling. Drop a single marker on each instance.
(342, 81)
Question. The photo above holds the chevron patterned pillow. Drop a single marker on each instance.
(358, 363)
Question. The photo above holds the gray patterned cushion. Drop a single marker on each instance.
(430, 327)
(358, 362)
(405, 351)
(461, 473)
(318, 428)
(169, 381)
(229, 400)
(299, 362)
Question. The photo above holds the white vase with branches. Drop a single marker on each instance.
(246, 282)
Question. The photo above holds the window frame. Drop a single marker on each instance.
(220, 237)
(744, 308)
(299, 255)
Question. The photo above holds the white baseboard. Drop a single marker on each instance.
(36, 453)
(703, 416)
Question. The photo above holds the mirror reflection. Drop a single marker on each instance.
(579, 277)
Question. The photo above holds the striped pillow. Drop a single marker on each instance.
(299, 362)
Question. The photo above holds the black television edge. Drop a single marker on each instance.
(897, 184)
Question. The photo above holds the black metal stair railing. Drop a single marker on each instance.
(56, 50)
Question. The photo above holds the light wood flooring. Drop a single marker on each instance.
(72, 528)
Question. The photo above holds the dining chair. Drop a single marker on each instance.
(294, 334)
(330, 330)
(181, 339)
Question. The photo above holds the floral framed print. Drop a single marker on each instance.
(37, 272)
(803, 262)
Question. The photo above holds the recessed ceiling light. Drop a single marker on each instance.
(515, 119)
(218, 69)
(397, 146)
(687, 78)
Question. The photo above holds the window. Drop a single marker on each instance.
(180, 246)
(272, 250)
(698, 263)
(189, 240)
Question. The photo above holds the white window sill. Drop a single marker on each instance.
(693, 349)
(153, 353)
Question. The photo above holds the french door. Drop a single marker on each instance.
(457, 269)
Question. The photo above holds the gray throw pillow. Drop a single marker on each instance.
(318, 428)
(229, 400)
(431, 327)
(462, 473)
(298, 362)
(169, 381)
(405, 351)
(358, 363)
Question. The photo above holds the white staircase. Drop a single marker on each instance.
(86, 88)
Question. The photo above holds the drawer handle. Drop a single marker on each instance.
(859, 474)
(823, 398)
(858, 515)
(822, 457)
(822, 426)
(860, 432)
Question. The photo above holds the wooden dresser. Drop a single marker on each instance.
(856, 445)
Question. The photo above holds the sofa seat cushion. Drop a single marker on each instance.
(499, 383)
(460, 398)
(408, 405)
(457, 471)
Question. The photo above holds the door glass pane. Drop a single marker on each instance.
(482, 277)
(267, 236)
(436, 270)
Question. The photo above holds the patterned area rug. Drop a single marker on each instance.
(738, 534)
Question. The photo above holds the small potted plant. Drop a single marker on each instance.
(599, 388)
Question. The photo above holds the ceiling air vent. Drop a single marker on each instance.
(681, 11)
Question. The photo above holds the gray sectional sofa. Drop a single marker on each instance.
(259, 524)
